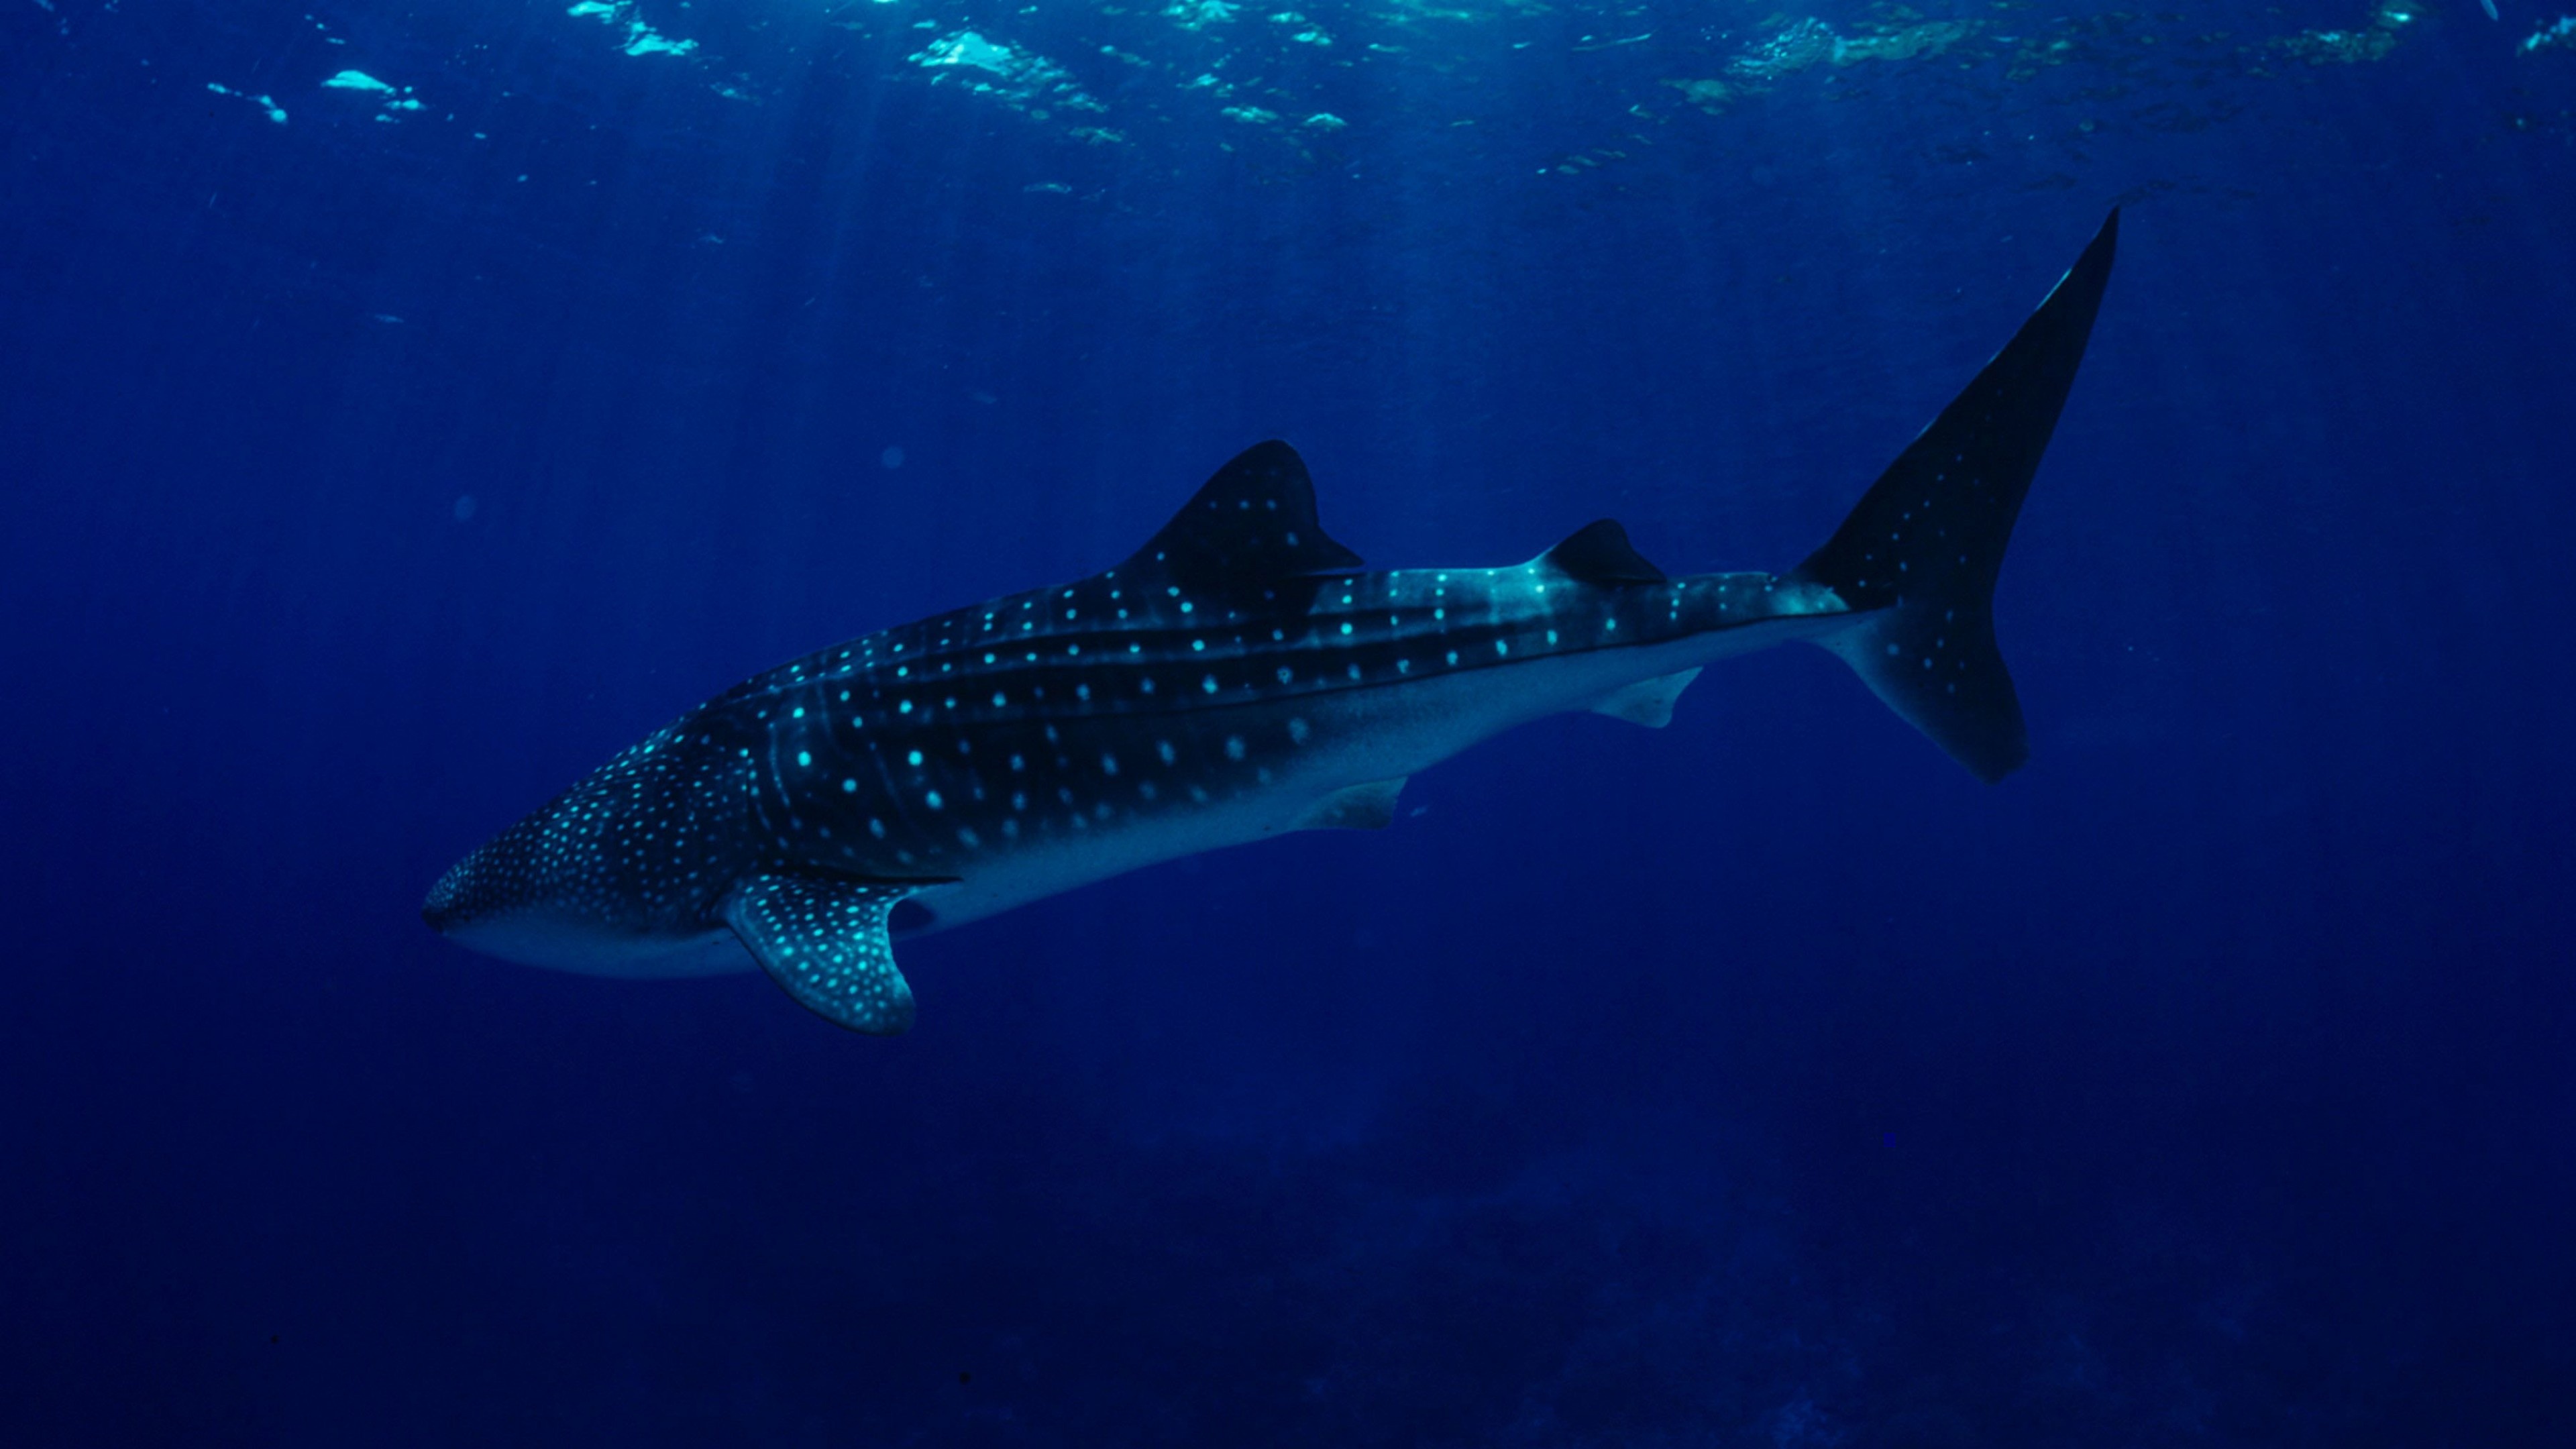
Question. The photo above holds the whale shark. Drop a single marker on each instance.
(1240, 676)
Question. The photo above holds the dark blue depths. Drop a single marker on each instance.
(1762, 1080)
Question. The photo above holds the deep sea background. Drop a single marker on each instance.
(369, 474)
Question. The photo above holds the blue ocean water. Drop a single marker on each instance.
(402, 409)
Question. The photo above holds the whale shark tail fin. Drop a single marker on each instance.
(1921, 550)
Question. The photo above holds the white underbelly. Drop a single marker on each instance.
(589, 950)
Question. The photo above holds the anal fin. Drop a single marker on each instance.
(1355, 807)
(823, 938)
(1648, 702)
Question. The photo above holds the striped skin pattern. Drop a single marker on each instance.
(1239, 676)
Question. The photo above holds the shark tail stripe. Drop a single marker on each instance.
(1922, 549)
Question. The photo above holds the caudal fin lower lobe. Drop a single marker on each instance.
(1921, 550)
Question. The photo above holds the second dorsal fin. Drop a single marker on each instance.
(1599, 553)
(1253, 524)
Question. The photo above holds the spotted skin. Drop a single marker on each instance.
(827, 935)
(1054, 715)
(1240, 676)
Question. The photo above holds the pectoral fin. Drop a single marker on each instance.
(1358, 807)
(1648, 702)
(824, 939)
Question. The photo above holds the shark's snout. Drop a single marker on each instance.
(489, 887)
(505, 901)
(450, 902)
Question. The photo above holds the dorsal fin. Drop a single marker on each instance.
(1599, 553)
(1252, 524)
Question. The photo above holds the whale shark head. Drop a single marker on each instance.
(617, 876)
